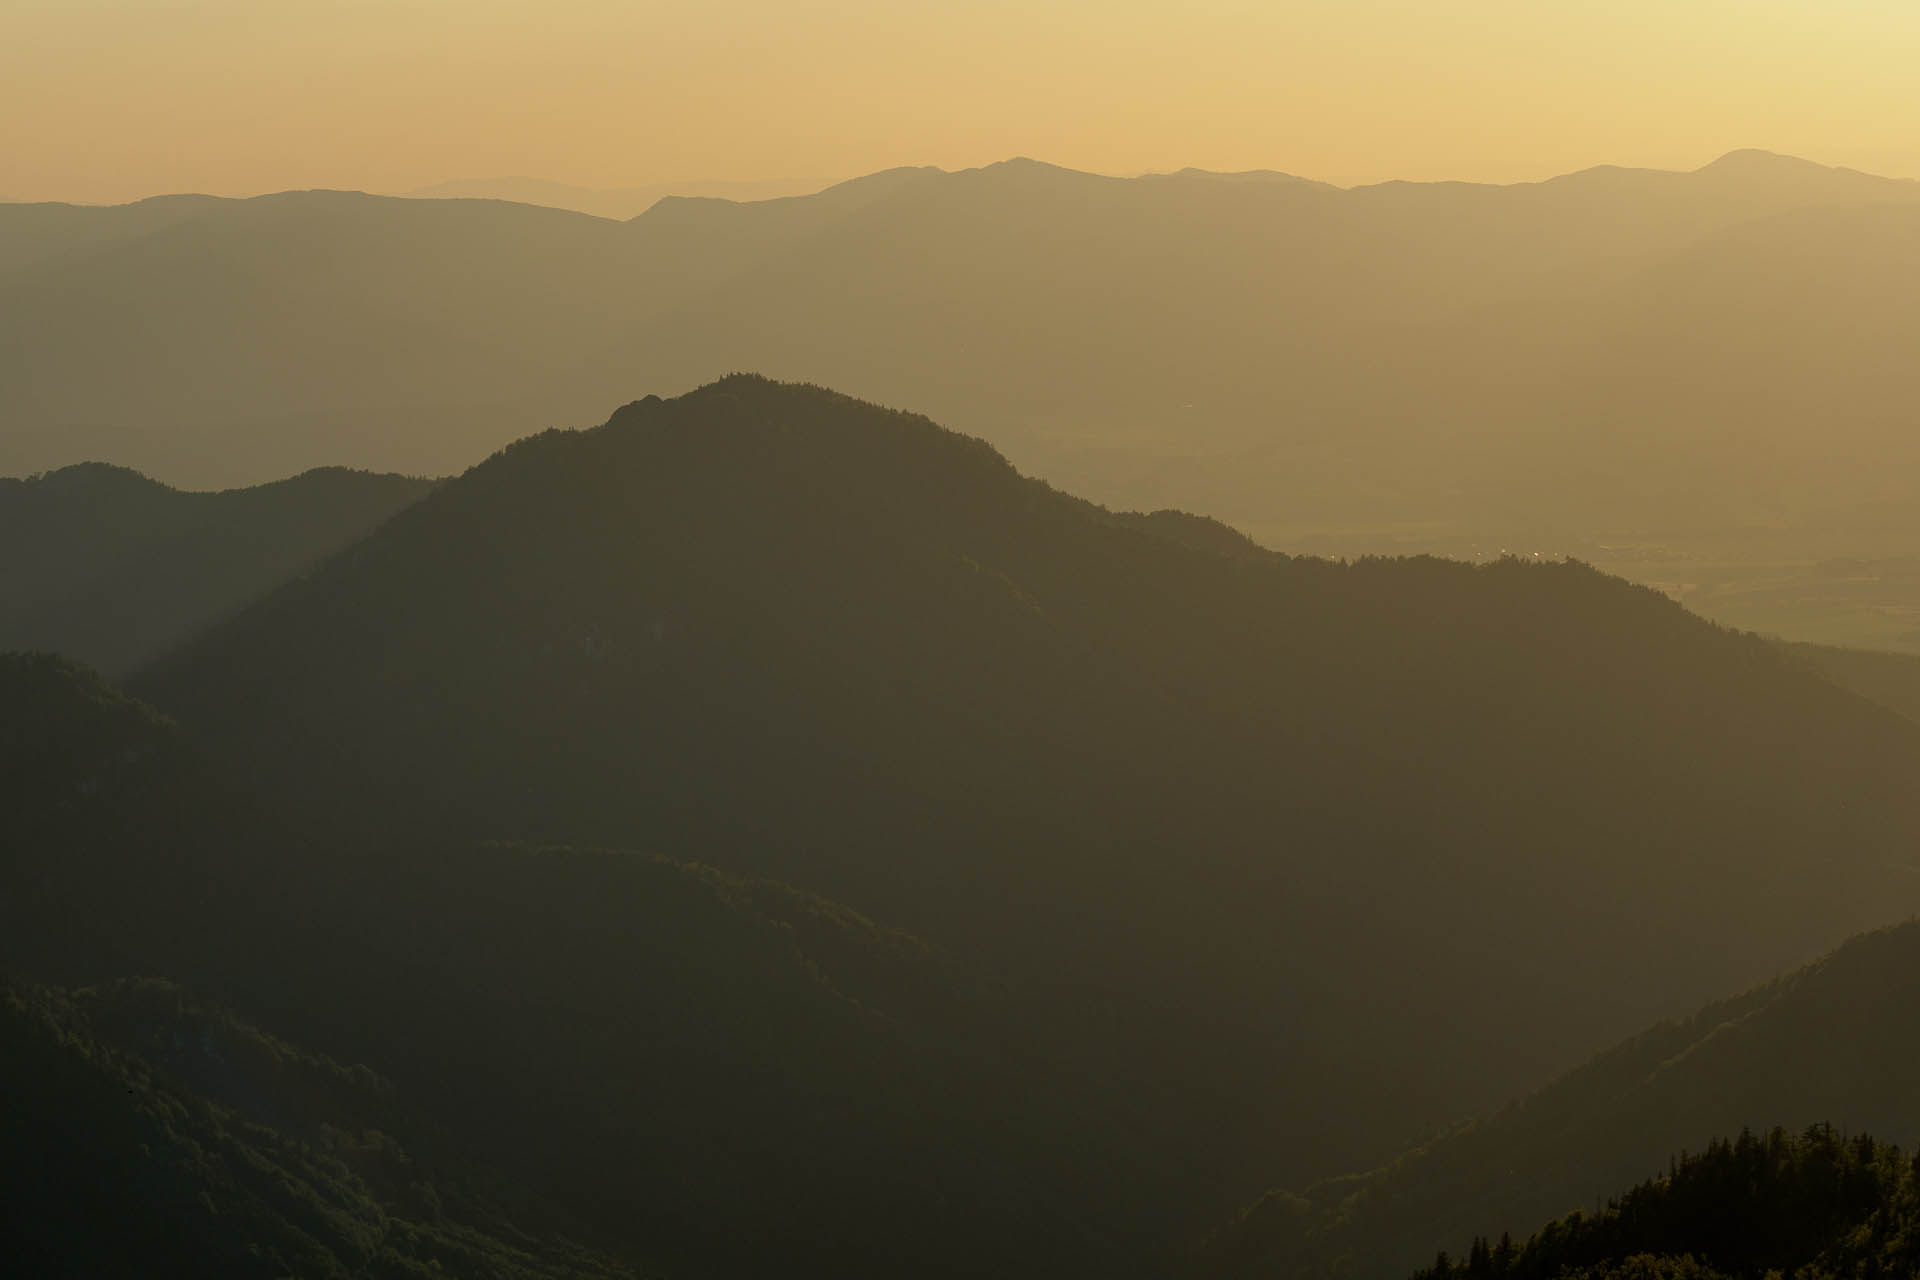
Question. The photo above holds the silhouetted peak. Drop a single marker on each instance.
(728, 387)
(319, 196)
(344, 481)
(770, 394)
(899, 175)
(842, 197)
(183, 200)
(673, 209)
(1756, 161)
(752, 444)
(1026, 169)
(1239, 178)
(1751, 156)
(644, 404)
(1597, 174)
(97, 478)
(752, 402)
(363, 208)
(1202, 533)
(749, 382)
(106, 480)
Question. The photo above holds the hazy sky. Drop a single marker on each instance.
(115, 99)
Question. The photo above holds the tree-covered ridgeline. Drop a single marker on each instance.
(1817, 1205)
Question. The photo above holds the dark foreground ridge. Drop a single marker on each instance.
(1832, 1043)
(1817, 1207)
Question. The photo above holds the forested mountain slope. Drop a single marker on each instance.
(1235, 828)
(1818, 1205)
(109, 567)
(713, 1074)
(145, 1133)
(121, 846)
(1833, 1043)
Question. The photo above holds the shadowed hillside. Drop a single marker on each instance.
(112, 568)
(121, 845)
(211, 1147)
(1890, 679)
(1234, 829)
(582, 1043)
(1833, 1043)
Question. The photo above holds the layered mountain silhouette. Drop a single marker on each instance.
(1249, 843)
(1830, 1044)
(104, 565)
(1613, 349)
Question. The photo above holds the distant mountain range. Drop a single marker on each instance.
(620, 203)
(1405, 363)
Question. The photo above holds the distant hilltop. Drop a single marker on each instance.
(619, 203)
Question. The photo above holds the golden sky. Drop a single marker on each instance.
(106, 100)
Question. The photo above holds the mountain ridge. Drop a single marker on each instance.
(103, 563)
(1139, 769)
